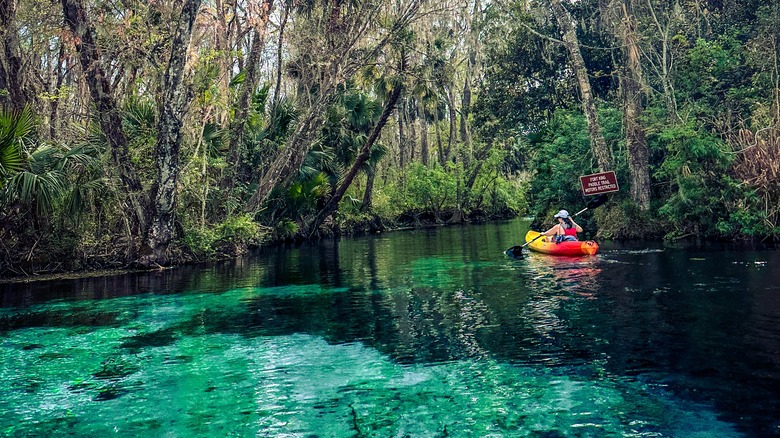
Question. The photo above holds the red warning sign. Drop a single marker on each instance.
(599, 183)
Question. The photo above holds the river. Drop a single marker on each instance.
(418, 333)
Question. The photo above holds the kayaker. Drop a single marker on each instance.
(565, 230)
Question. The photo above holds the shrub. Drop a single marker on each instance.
(230, 237)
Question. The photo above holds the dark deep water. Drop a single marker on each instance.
(423, 333)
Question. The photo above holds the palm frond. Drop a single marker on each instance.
(37, 191)
(81, 195)
(260, 98)
(319, 160)
(377, 152)
(353, 201)
(19, 125)
(10, 160)
(213, 137)
(16, 130)
(78, 156)
(139, 117)
(43, 159)
(282, 118)
(238, 79)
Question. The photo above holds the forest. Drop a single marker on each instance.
(155, 133)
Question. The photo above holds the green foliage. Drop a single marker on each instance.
(743, 222)
(762, 52)
(347, 127)
(229, 236)
(285, 229)
(200, 241)
(302, 198)
(41, 177)
(265, 135)
(304, 193)
(694, 171)
(239, 228)
(714, 79)
(425, 190)
(525, 76)
(39, 187)
(493, 193)
(348, 123)
(139, 120)
(560, 155)
(54, 174)
(622, 219)
(16, 130)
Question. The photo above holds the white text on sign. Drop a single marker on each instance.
(598, 183)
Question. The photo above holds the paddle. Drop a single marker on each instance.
(517, 251)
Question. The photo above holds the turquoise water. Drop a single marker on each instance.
(431, 333)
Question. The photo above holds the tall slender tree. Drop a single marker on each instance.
(107, 111)
(570, 40)
(472, 71)
(632, 84)
(332, 204)
(12, 93)
(248, 88)
(176, 97)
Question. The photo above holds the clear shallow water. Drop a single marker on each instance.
(427, 333)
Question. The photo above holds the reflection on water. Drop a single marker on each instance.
(425, 333)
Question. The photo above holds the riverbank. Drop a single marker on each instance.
(50, 260)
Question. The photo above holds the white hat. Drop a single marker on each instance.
(563, 214)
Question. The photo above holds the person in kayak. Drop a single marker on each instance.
(565, 230)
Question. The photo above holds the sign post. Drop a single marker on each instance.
(599, 183)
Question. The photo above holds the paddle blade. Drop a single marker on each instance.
(516, 252)
(597, 201)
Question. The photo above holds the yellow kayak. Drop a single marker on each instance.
(547, 245)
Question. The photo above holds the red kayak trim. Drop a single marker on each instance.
(547, 245)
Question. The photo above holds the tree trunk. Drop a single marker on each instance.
(368, 195)
(55, 103)
(453, 122)
(334, 25)
(401, 138)
(636, 142)
(333, 203)
(479, 158)
(175, 99)
(107, 112)
(292, 156)
(471, 67)
(465, 108)
(412, 131)
(664, 70)
(597, 143)
(439, 146)
(238, 124)
(424, 152)
(12, 93)
(223, 49)
(277, 88)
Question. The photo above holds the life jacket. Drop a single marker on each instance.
(569, 234)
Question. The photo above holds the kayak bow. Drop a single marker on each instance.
(547, 245)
